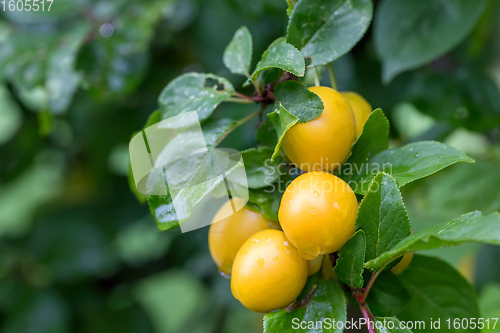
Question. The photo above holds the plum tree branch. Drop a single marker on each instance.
(239, 100)
(243, 96)
(370, 283)
(238, 124)
(257, 87)
(368, 317)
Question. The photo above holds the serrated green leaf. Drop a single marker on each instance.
(215, 128)
(388, 295)
(324, 30)
(238, 53)
(260, 170)
(161, 206)
(441, 25)
(407, 163)
(350, 265)
(373, 140)
(280, 55)
(437, 291)
(328, 302)
(452, 193)
(297, 99)
(390, 325)
(163, 211)
(470, 227)
(282, 121)
(269, 76)
(382, 216)
(194, 92)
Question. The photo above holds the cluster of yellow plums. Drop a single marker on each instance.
(269, 262)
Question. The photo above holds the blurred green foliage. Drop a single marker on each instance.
(79, 253)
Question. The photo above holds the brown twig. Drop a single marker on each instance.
(334, 256)
(368, 317)
(238, 124)
(304, 302)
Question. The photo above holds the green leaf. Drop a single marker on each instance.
(388, 295)
(373, 140)
(161, 206)
(260, 170)
(407, 163)
(282, 121)
(324, 30)
(163, 210)
(327, 304)
(350, 265)
(268, 199)
(390, 325)
(214, 129)
(194, 92)
(382, 216)
(471, 227)
(429, 29)
(238, 53)
(280, 55)
(269, 76)
(266, 133)
(489, 305)
(297, 99)
(437, 291)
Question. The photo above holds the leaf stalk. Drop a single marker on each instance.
(332, 76)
